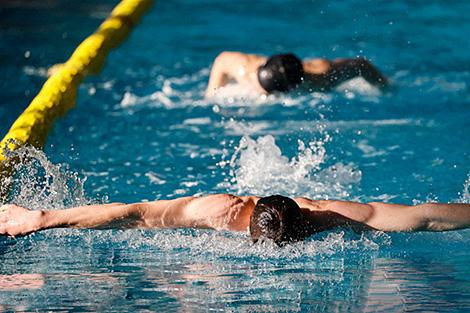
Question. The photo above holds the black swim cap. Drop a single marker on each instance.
(277, 218)
(281, 72)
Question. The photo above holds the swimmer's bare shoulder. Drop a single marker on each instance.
(220, 211)
(233, 65)
(236, 59)
(316, 66)
(216, 211)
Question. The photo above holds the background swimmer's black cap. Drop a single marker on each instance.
(281, 72)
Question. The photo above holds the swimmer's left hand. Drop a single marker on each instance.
(18, 221)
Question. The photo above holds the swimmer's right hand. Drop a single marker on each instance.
(18, 221)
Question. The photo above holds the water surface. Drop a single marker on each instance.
(143, 131)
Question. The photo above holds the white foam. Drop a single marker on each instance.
(211, 244)
(238, 128)
(154, 179)
(465, 195)
(236, 245)
(359, 87)
(368, 150)
(197, 121)
(242, 95)
(259, 167)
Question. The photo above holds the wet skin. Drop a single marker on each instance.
(229, 212)
(320, 74)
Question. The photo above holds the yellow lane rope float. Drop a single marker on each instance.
(59, 92)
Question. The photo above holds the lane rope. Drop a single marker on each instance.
(59, 92)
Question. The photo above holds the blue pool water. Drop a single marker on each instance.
(143, 131)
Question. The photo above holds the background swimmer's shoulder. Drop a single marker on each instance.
(316, 66)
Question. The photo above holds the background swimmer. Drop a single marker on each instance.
(278, 218)
(283, 72)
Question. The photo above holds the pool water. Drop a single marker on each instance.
(142, 130)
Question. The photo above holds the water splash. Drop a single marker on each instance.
(359, 87)
(37, 183)
(35, 71)
(237, 245)
(259, 167)
(199, 245)
(465, 196)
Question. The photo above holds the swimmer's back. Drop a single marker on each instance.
(220, 211)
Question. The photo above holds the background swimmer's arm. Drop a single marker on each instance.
(344, 69)
(229, 66)
(222, 71)
(399, 218)
(218, 76)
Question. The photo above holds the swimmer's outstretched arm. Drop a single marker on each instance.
(16, 220)
(344, 69)
(422, 217)
(397, 217)
(215, 211)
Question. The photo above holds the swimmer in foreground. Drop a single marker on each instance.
(277, 218)
(283, 72)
